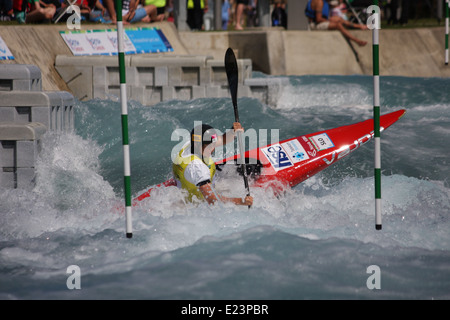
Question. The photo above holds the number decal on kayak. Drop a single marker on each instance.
(322, 141)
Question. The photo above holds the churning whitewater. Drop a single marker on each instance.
(317, 241)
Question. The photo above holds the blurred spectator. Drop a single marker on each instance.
(33, 11)
(241, 7)
(169, 11)
(252, 16)
(195, 12)
(131, 11)
(226, 12)
(318, 13)
(6, 10)
(63, 9)
(160, 8)
(338, 8)
(111, 10)
(92, 10)
(394, 6)
(19, 8)
(279, 17)
(98, 12)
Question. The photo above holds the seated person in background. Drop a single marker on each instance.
(83, 5)
(160, 8)
(338, 8)
(87, 7)
(318, 13)
(98, 12)
(33, 11)
(131, 11)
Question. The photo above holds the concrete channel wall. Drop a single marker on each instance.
(403, 52)
(26, 113)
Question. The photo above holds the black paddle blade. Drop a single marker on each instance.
(232, 74)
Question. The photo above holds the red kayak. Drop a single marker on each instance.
(292, 161)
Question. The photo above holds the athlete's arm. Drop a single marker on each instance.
(211, 198)
(229, 136)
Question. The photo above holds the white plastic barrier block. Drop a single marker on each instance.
(7, 153)
(54, 109)
(154, 78)
(7, 178)
(10, 131)
(20, 145)
(26, 153)
(161, 76)
(267, 90)
(88, 76)
(218, 76)
(181, 69)
(20, 77)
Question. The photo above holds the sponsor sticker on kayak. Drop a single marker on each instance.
(321, 141)
(277, 157)
(284, 155)
(295, 150)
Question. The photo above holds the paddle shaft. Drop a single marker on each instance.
(232, 75)
(241, 151)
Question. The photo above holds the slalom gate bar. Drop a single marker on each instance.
(124, 119)
(376, 116)
(447, 9)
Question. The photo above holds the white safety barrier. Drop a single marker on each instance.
(26, 113)
(156, 78)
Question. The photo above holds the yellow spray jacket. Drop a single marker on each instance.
(179, 166)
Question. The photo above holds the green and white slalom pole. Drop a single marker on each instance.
(375, 26)
(447, 9)
(124, 118)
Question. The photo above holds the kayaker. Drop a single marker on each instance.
(194, 169)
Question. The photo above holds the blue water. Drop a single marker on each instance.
(315, 242)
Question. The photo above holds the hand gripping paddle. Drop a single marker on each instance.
(232, 75)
